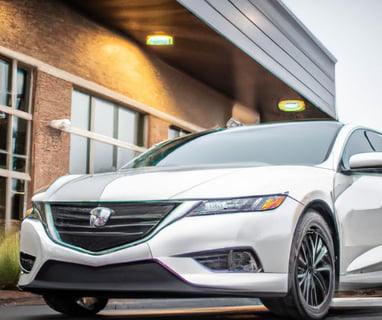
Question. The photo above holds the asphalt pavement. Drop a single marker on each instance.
(9, 298)
(18, 297)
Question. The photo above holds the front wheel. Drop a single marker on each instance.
(75, 306)
(311, 271)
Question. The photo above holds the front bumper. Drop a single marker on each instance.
(160, 265)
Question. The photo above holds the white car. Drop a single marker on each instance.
(286, 212)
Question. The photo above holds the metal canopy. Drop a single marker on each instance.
(264, 56)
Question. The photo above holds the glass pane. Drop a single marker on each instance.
(21, 101)
(2, 199)
(19, 164)
(3, 130)
(304, 143)
(127, 131)
(4, 82)
(79, 154)
(173, 133)
(19, 136)
(103, 124)
(376, 140)
(357, 143)
(80, 117)
(104, 118)
(17, 199)
(127, 125)
(79, 146)
(124, 156)
(103, 157)
(3, 160)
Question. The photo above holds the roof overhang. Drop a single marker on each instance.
(255, 52)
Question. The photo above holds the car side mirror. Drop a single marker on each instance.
(366, 160)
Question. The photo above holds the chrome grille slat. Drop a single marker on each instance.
(147, 216)
(130, 225)
(131, 221)
(103, 234)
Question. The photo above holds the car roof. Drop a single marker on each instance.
(302, 123)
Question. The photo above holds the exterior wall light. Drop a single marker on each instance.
(159, 40)
(291, 105)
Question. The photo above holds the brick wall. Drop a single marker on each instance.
(50, 148)
(52, 32)
(55, 34)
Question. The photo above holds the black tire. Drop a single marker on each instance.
(311, 272)
(75, 306)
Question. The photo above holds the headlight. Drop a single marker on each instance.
(249, 204)
(38, 212)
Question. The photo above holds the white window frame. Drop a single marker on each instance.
(65, 125)
(12, 112)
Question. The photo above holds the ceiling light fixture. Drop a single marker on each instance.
(159, 40)
(292, 105)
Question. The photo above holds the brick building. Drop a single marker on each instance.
(81, 93)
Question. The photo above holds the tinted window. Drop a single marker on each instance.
(291, 143)
(375, 139)
(357, 143)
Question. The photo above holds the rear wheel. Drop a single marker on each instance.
(311, 271)
(75, 306)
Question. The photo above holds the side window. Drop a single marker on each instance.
(375, 140)
(357, 143)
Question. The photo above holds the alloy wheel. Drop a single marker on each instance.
(314, 268)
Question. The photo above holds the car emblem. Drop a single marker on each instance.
(99, 216)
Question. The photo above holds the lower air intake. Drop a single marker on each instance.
(230, 260)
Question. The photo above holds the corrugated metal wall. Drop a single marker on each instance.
(269, 33)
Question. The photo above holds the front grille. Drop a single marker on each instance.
(130, 222)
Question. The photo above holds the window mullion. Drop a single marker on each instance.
(115, 136)
(10, 142)
(28, 146)
(28, 94)
(11, 123)
(13, 84)
(91, 141)
(28, 90)
(17, 113)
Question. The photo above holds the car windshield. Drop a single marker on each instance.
(297, 143)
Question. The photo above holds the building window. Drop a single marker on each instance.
(106, 119)
(174, 132)
(15, 138)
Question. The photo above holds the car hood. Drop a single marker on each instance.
(184, 183)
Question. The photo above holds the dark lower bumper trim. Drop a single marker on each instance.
(141, 279)
(136, 278)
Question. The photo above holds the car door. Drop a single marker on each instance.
(358, 204)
